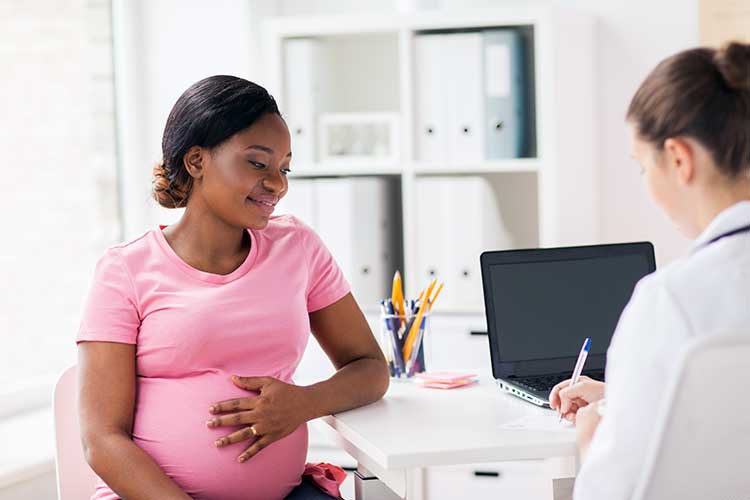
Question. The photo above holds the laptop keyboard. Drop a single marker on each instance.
(543, 383)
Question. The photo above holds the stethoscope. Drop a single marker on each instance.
(739, 230)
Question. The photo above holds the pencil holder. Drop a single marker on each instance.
(405, 341)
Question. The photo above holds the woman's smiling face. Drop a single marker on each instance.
(246, 176)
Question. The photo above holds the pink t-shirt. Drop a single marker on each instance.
(193, 330)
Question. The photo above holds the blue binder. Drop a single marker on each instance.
(505, 91)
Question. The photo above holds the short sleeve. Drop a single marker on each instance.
(110, 313)
(326, 283)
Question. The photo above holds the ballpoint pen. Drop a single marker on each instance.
(579, 366)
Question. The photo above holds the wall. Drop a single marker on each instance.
(58, 194)
(43, 487)
(58, 208)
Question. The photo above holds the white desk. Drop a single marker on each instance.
(413, 428)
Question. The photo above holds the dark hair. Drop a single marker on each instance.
(206, 114)
(702, 93)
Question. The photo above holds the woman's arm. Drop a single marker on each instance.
(106, 384)
(280, 408)
(362, 373)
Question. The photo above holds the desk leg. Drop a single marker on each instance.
(415, 489)
(367, 486)
(560, 474)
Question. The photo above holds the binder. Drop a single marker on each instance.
(354, 221)
(504, 91)
(457, 219)
(432, 96)
(472, 96)
(302, 62)
(300, 201)
(465, 99)
(432, 215)
(477, 226)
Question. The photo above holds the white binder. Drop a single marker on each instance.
(302, 63)
(431, 222)
(300, 201)
(465, 100)
(432, 121)
(458, 219)
(477, 226)
(354, 222)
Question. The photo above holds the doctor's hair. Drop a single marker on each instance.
(702, 93)
(206, 115)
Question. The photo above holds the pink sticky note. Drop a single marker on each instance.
(447, 385)
(445, 376)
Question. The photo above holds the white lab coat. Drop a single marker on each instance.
(705, 293)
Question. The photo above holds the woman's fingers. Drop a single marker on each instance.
(255, 448)
(241, 435)
(571, 409)
(554, 395)
(568, 399)
(237, 404)
(233, 419)
(571, 414)
(587, 390)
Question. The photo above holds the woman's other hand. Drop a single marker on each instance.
(277, 410)
(587, 420)
(568, 400)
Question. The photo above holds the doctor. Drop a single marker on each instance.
(690, 131)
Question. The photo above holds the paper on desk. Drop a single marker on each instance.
(547, 421)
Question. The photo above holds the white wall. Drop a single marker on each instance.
(58, 204)
(58, 211)
(42, 487)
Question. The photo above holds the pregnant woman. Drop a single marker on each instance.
(191, 333)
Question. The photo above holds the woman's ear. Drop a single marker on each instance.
(680, 158)
(193, 161)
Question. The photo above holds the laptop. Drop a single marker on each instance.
(542, 303)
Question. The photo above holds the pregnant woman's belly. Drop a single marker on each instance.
(170, 425)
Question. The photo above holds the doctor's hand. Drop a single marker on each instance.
(568, 400)
(277, 411)
(587, 420)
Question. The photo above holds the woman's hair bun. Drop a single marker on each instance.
(733, 62)
(167, 192)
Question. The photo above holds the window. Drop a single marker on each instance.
(58, 193)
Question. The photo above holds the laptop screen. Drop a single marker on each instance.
(542, 304)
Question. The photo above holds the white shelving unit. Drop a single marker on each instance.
(564, 166)
(548, 199)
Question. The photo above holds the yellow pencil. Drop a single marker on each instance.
(432, 302)
(397, 295)
(414, 330)
(429, 290)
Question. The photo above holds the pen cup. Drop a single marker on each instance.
(405, 346)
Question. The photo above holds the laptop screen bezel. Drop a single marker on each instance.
(500, 369)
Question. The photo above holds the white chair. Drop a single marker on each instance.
(75, 479)
(701, 448)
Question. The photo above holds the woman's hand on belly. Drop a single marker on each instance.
(277, 410)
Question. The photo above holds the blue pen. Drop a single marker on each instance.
(398, 344)
(389, 339)
(579, 365)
